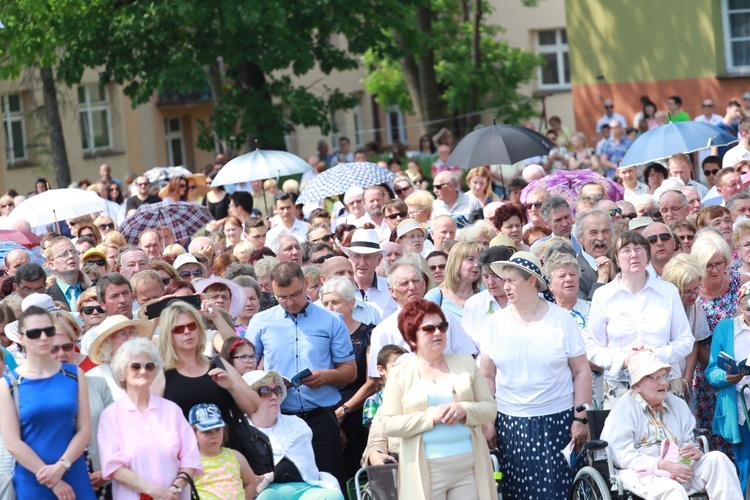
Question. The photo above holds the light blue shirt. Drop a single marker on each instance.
(316, 339)
(64, 287)
(444, 440)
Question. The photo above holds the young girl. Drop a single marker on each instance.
(227, 474)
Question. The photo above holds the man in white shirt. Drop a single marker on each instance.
(374, 200)
(708, 115)
(406, 284)
(365, 255)
(680, 166)
(289, 223)
(443, 229)
(609, 115)
(742, 150)
(451, 201)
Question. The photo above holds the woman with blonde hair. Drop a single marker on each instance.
(174, 249)
(482, 231)
(741, 242)
(420, 206)
(243, 250)
(232, 229)
(116, 238)
(7, 204)
(480, 185)
(462, 278)
(105, 223)
(90, 309)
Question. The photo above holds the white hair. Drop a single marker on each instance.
(352, 192)
(341, 285)
(669, 184)
(127, 352)
(276, 243)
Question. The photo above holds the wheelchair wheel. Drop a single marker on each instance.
(589, 485)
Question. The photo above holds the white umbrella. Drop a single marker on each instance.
(258, 165)
(57, 204)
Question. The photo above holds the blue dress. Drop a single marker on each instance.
(48, 410)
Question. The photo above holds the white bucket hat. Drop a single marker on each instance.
(35, 299)
(238, 296)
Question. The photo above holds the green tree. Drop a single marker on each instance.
(442, 61)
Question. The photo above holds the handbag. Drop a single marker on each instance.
(243, 437)
(7, 491)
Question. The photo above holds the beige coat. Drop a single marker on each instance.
(405, 415)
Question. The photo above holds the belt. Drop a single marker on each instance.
(306, 415)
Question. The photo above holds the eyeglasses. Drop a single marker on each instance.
(114, 188)
(657, 378)
(440, 186)
(148, 365)
(708, 105)
(536, 204)
(690, 293)
(143, 184)
(195, 272)
(322, 259)
(67, 254)
(442, 326)
(712, 171)
(661, 236)
(245, 358)
(686, 237)
(35, 333)
(108, 225)
(718, 266)
(437, 266)
(413, 236)
(81, 235)
(397, 215)
(328, 238)
(97, 262)
(126, 335)
(614, 211)
(609, 107)
(180, 329)
(29, 291)
(89, 310)
(166, 281)
(65, 347)
(266, 392)
(401, 190)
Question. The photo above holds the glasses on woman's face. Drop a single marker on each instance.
(245, 358)
(149, 366)
(442, 326)
(657, 378)
(35, 333)
(65, 347)
(716, 266)
(266, 392)
(196, 272)
(89, 310)
(180, 329)
(106, 226)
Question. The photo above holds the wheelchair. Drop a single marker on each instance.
(380, 482)
(598, 480)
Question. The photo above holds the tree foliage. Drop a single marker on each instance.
(447, 42)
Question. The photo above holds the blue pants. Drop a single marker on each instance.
(742, 456)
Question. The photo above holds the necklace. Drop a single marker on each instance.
(531, 318)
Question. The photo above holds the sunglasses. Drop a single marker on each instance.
(65, 347)
(397, 215)
(614, 211)
(440, 186)
(661, 236)
(196, 273)
(108, 225)
(180, 329)
(148, 365)
(322, 259)
(142, 184)
(401, 190)
(97, 262)
(327, 238)
(35, 333)
(536, 204)
(713, 171)
(438, 266)
(266, 392)
(708, 105)
(442, 326)
(114, 188)
(687, 237)
(88, 310)
(609, 107)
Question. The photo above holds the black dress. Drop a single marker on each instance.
(218, 210)
(187, 392)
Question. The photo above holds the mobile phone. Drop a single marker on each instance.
(297, 379)
(154, 310)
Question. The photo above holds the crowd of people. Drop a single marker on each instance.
(283, 346)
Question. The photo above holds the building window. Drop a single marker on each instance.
(15, 133)
(175, 144)
(357, 115)
(93, 105)
(552, 45)
(396, 125)
(736, 15)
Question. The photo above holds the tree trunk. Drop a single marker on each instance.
(476, 60)
(214, 77)
(54, 127)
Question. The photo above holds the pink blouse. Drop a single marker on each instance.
(155, 445)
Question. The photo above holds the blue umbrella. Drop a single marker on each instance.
(674, 138)
(338, 179)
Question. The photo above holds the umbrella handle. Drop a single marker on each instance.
(57, 223)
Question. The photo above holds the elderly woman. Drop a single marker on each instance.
(616, 327)
(716, 217)
(63, 345)
(462, 278)
(252, 303)
(113, 332)
(524, 347)
(338, 295)
(480, 185)
(741, 242)
(49, 436)
(684, 232)
(437, 262)
(420, 206)
(295, 474)
(482, 232)
(509, 220)
(146, 445)
(411, 236)
(732, 336)
(650, 435)
(436, 403)
(718, 296)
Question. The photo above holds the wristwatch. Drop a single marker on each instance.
(346, 409)
(64, 463)
(584, 421)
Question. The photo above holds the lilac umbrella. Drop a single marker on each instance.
(574, 180)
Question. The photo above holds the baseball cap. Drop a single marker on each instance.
(205, 416)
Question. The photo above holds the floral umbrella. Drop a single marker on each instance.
(574, 180)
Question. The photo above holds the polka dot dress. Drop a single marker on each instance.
(533, 467)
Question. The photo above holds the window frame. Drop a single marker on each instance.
(9, 117)
(726, 25)
(401, 125)
(559, 49)
(170, 135)
(89, 108)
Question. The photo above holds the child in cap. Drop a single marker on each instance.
(227, 474)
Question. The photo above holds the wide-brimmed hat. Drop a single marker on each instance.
(364, 241)
(238, 295)
(184, 259)
(408, 225)
(503, 240)
(205, 416)
(259, 378)
(112, 325)
(639, 222)
(93, 252)
(526, 261)
(644, 363)
(35, 299)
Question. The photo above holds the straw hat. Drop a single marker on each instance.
(526, 261)
(503, 240)
(238, 294)
(408, 225)
(112, 325)
(644, 363)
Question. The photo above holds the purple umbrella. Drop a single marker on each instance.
(574, 180)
